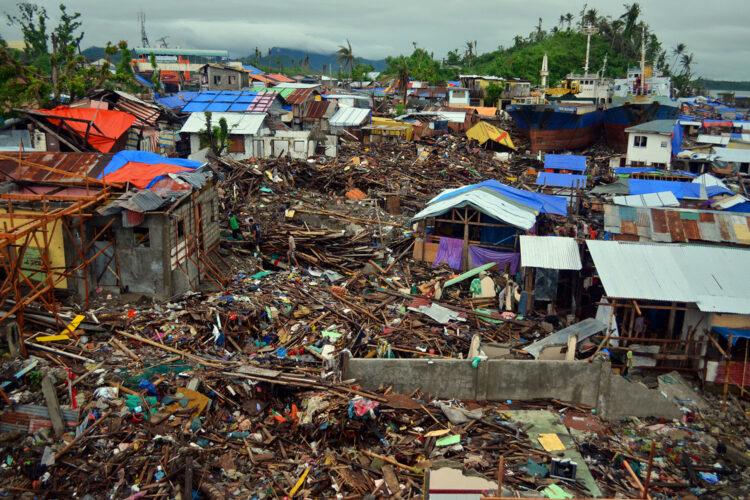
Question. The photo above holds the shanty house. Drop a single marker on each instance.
(348, 119)
(300, 100)
(650, 143)
(476, 224)
(221, 77)
(246, 133)
(153, 238)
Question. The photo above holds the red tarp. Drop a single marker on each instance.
(111, 124)
(140, 175)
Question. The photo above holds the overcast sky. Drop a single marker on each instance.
(718, 32)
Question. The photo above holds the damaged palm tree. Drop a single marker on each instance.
(215, 138)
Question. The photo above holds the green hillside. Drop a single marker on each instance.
(566, 53)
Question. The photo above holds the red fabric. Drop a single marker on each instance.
(112, 124)
(140, 175)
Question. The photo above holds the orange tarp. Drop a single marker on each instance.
(111, 124)
(140, 175)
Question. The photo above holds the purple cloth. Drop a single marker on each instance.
(481, 256)
(451, 251)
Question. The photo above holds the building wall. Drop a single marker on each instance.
(658, 149)
(458, 97)
(239, 79)
(152, 269)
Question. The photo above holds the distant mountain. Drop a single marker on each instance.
(93, 53)
(294, 57)
(726, 85)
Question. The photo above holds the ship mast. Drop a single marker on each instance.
(643, 62)
(588, 30)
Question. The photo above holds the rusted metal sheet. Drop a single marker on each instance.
(628, 227)
(299, 96)
(674, 224)
(691, 229)
(725, 229)
(706, 217)
(659, 218)
(317, 109)
(87, 164)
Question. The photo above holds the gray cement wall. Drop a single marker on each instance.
(577, 382)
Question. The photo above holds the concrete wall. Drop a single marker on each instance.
(224, 79)
(658, 149)
(577, 382)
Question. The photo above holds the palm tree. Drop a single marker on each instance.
(630, 16)
(569, 19)
(561, 21)
(677, 53)
(686, 61)
(469, 52)
(345, 56)
(591, 16)
(401, 66)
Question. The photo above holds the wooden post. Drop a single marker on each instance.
(744, 367)
(55, 414)
(726, 375)
(500, 474)
(465, 252)
(648, 470)
(13, 337)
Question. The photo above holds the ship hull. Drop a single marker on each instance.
(619, 118)
(549, 128)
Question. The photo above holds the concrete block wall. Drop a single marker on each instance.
(576, 382)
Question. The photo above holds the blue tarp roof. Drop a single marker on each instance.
(680, 189)
(735, 333)
(565, 162)
(252, 69)
(224, 100)
(122, 158)
(143, 80)
(177, 100)
(542, 203)
(561, 180)
(634, 170)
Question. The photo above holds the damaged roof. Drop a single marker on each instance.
(245, 101)
(716, 279)
(299, 96)
(320, 109)
(674, 225)
(550, 252)
(86, 164)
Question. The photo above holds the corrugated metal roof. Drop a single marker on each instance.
(712, 139)
(565, 162)
(486, 201)
(585, 329)
(665, 199)
(279, 77)
(731, 154)
(89, 164)
(677, 225)
(350, 117)
(655, 126)
(561, 180)
(716, 278)
(299, 96)
(319, 109)
(550, 252)
(295, 85)
(239, 123)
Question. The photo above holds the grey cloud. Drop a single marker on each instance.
(717, 36)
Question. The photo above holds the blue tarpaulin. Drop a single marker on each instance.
(542, 203)
(134, 162)
(565, 162)
(676, 138)
(561, 180)
(680, 189)
(735, 333)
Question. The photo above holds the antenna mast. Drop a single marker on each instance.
(588, 30)
(142, 20)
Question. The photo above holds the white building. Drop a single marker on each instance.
(458, 97)
(649, 144)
